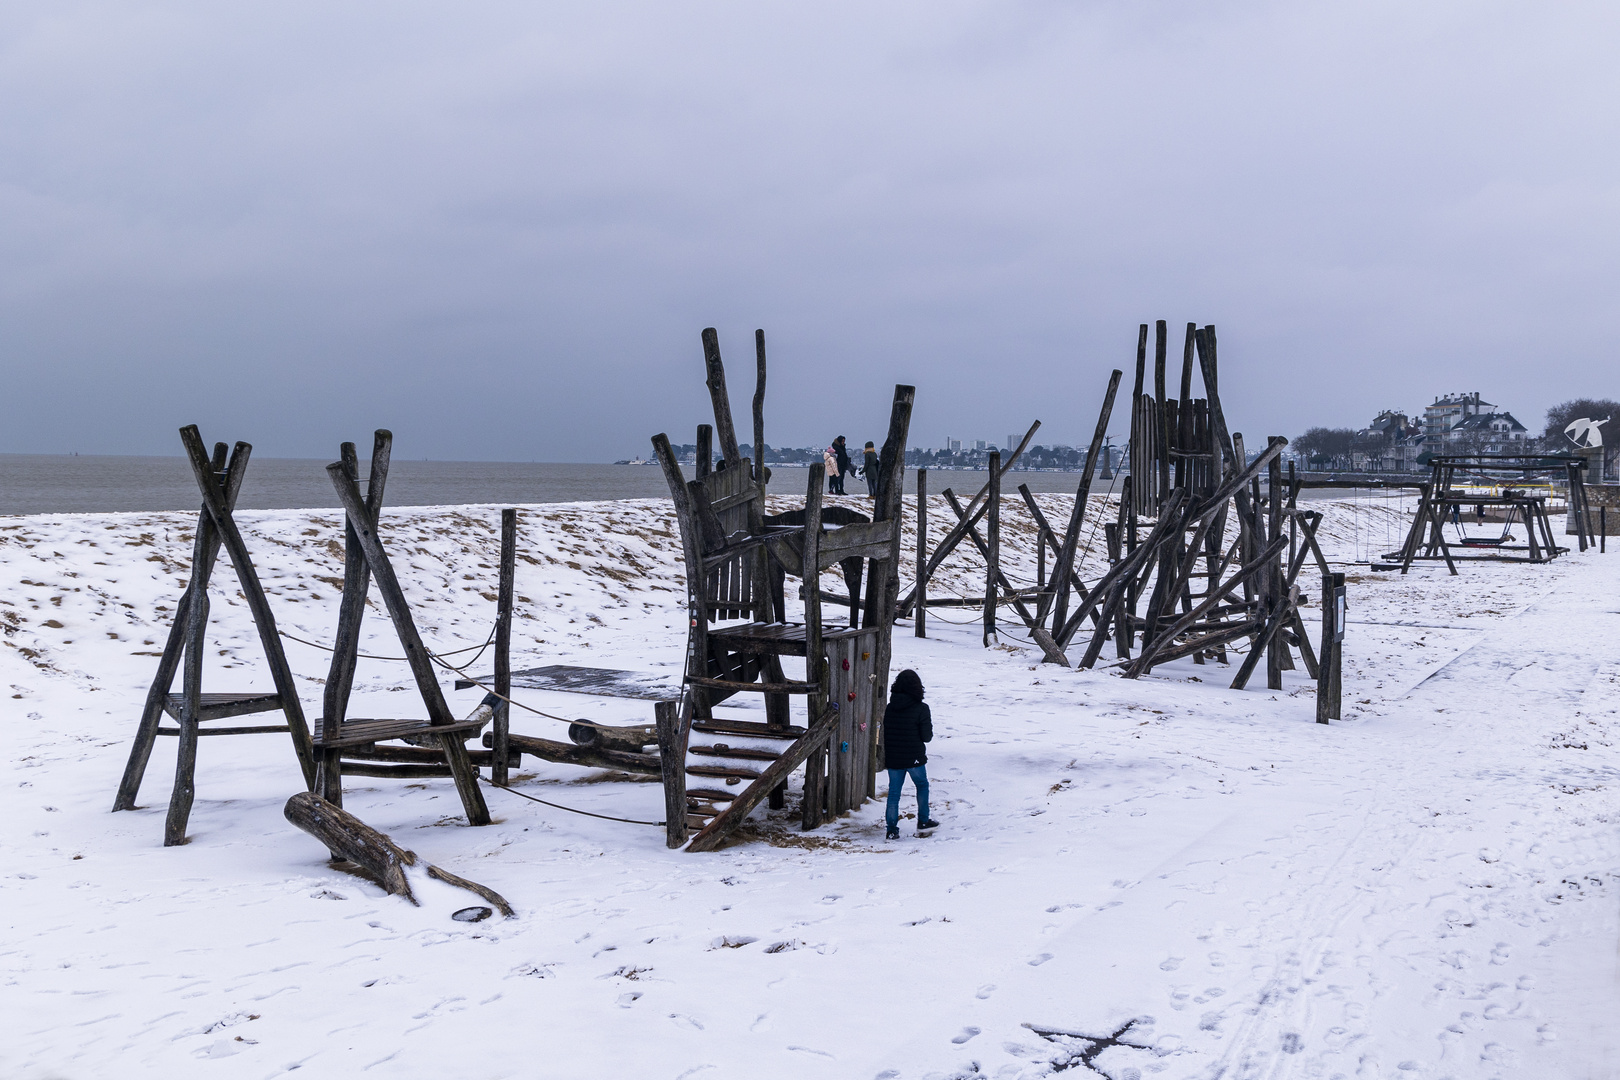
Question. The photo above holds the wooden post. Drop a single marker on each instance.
(185, 762)
(815, 663)
(1276, 601)
(992, 549)
(503, 646)
(724, 429)
(1063, 572)
(672, 764)
(920, 621)
(704, 459)
(1161, 433)
(883, 591)
(1330, 661)
(351, 611)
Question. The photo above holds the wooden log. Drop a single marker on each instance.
(703, 460)
(1063, 571)
(672, 768)
(759, 413)
(415, 755)
(883, 588)
(1185, 467)
(185, 763)
(724, 429)
(590, 757)
(815, 662)
(1276, 651)
(695, 701)
(502, 719)
(1161, 433)
(630, 738)
(920, 619)
(351, 611)
(992, 550)
(385, 861)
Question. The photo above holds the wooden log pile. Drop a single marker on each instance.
(1201, 554)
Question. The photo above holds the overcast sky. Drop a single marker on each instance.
(498, 229)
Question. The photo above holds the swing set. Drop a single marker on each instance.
(1455, 482)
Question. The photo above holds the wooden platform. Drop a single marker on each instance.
(219, 706)
(598, 682)
(365, 732)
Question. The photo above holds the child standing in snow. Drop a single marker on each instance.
(907, 728)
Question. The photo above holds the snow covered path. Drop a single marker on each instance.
(1428, 889)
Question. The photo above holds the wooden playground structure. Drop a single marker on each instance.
(1199, 558)
(1448, 499)
(737, 560)
(1202, 561)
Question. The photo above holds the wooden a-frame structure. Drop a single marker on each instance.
(365, 559)
(220, 481)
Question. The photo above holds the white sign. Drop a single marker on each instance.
(1584, 432)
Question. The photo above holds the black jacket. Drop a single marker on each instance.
(907, 726)
(869, 467)
(841, 455)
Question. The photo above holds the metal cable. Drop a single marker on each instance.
(570, 809)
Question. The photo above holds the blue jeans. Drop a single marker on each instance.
(897, 779)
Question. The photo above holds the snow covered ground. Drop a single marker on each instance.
(1188, 881)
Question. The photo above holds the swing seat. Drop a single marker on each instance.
(1485, 541)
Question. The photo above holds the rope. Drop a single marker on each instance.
(368, 656)
(438, 658)
(570, 809)
(503, 697)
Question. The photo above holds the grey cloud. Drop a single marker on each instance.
(498, 228)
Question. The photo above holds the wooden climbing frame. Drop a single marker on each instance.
(219, 481)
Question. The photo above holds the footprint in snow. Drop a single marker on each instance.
(1041, 959)
(628, 999)
(967, 1033)
(1170, 963)
(985, 991)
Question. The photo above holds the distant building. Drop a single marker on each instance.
(1488, 433)
(1391, 443)
(1447, 412)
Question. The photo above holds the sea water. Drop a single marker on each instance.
(74, 484)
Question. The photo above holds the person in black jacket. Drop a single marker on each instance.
(841, 458)
(869, 470)
(907, 728)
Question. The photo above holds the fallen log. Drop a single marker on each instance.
(631, 738)
(592, 757)
(347, 837)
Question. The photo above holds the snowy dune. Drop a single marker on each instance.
(1428, 889)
